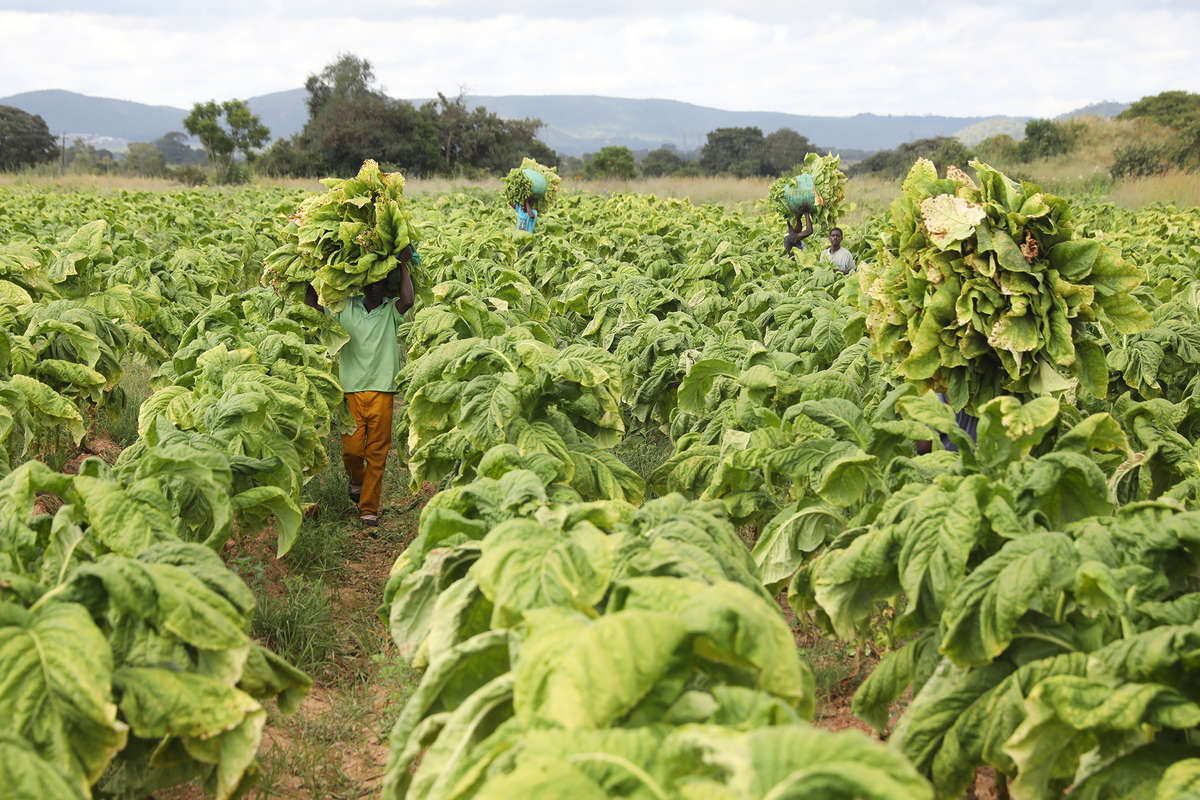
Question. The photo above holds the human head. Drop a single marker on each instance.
(835, 238)
(375, 293)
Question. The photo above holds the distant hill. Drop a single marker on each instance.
(1107, 109)
(1015, 126)
(98, 116)
(575, 124)
(583, 123)
(993, 126)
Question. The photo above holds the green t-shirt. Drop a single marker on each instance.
(370, 360)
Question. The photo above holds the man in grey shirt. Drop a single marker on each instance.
(839, 256)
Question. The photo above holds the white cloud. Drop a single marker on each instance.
(936, 57)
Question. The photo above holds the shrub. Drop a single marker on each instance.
(999, 148)
(1045, 138)
(191, 176)
(1138, 161)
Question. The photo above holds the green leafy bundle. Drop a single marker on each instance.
(344, 239)
(982, 289)
(518, 187)
(830, 183)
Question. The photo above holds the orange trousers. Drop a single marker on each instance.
(364, 452)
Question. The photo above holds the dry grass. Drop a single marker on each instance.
(87, 183)
(722, 190)
(414, 186)
(1178, 188)
(1085, 170)
(869, 195)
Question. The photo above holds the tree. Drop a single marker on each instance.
(663, 161)
(24, 139)
(351, 119)
(1173, 109)
(783, 150)
(175, 148)
(288, 158)
(999, 148)
(941, 150)
(613, 161)
(1044, 138)
(733, 150)
(1179, 111)
(242, 131)
(350, 130)
(479, 139)
(84, 159)
(348, 78)
(146, 160)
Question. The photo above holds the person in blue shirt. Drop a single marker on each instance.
(526, 215)
(968, 423)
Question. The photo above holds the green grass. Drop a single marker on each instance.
(299, 624)
(315, 746)
(644, 450)
(321, 549)
(122, 426)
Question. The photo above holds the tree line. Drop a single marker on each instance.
(351, 119)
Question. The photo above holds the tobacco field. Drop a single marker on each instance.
(580, 629)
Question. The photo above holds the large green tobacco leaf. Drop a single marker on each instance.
(980, 290)
(25, 775)
(735, 629)
(46, 404)
(894, 673)
(582, 673)
(1181, 781)
(159, 702)
(527, 565)
(55, 689)
(794, 761)
(797, 529)
(163, 598)
(457, 674)
(544, 777)
(600, 763)
(921, 547)
(468, 723)
(1027, 574)
(1067, 714)
(1141, 773)
(1008, 429)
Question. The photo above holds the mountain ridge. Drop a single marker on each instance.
(574, 124)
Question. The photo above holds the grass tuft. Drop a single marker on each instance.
(299, 624)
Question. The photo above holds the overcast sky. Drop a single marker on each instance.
(1021, 57)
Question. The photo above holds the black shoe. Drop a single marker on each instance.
(369, 520)
(355, 495)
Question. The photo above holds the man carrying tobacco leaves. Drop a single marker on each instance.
(796, 234)
(367, 368)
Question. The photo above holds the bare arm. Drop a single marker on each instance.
(310, 298)
(407, 292)
(808, 228)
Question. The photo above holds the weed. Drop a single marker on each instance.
(398, 681)
(122, 425)
(644, 450)
(329, 489)
(299, 625)
(320, 550)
